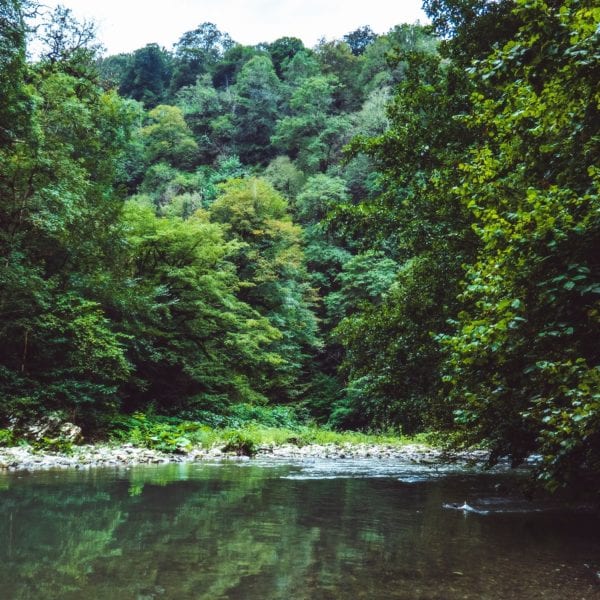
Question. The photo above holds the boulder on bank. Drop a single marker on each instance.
(52, 426)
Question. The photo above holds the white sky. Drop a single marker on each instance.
(125, 25)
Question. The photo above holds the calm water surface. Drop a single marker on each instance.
(261, 531)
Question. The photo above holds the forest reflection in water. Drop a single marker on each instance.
(269, 531)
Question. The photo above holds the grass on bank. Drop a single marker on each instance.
(169, 434)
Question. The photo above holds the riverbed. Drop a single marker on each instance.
(291, 528)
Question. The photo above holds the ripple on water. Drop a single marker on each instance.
(403, 471)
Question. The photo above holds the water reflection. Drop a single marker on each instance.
(286, 532)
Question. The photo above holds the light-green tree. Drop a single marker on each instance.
(285, 177)
(168, 138)
(272, 273)
(193, 343)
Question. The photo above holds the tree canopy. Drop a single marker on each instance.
(386, 231)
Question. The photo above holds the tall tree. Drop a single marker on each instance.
(392, 362)
(283, 50)
(272, 274)
(258, 91)
(15, 100)
(57, 221)
(192, 343)
(360, 39)
(148, 75)
(197, 52)
(203, 107)
(312, 134)
(67, 40)
(472, 28)
(338, 60)
(168, 138)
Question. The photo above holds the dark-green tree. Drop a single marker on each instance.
(283, 50)
(147, 78)
(197, 53)
(392, 361)
(58, 216)
(258, 93)
(360, 39)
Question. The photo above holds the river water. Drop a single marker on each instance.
(262, 530)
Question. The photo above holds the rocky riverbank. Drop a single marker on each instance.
(25, 458)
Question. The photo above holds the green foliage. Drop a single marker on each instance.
(311, 135)
(204, 109)
(58, 214)
(470, 29)
(112, 70)
(392, 361)
(364, 278)
(323, 393)
(198, 51)
(300, 67)
(270, 265)
(190, 336)
(67, 42)
(58, 445)
(240, 443)
(167, 137)
(522, 360)
(159, 433)
(285, 177)
(392, 303)
(225, 72)
(148, 76)
(360, 39)
(283, 50)
(241, 429)
(6, 437)
(338, 61)
(320, 196)
(443, 273)
(240, 433)
(379, 69)
(258, 91)
(317, 202)
(15, 98)
(283, 417)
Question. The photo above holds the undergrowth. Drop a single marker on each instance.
(243, 431)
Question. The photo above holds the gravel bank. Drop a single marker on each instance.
(23, 458)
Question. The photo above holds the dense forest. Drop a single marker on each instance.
(394, 232)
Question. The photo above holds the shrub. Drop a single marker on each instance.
(240, 442)
(6, 437)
